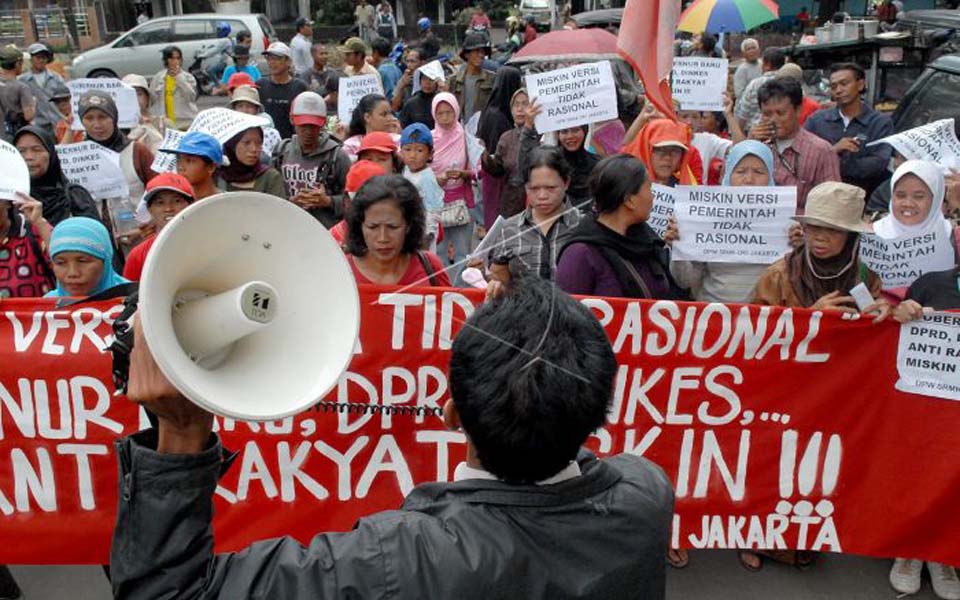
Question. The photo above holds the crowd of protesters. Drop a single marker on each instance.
(441, 159)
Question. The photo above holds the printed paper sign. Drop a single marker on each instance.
(14, 175)
(928, 356)
(271, 138)
(164, 162)
(221, 123)
(664, 199)
(698, 83)
(900, 262)
(352, 89)
(94, 167)
(734, 224)
(124, 95)
(577, 95)
(936, 142)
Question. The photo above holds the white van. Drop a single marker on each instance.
(138, 50)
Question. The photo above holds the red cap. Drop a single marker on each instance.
(378, 140)
(360, 172)
(168, 181)
(238, 79)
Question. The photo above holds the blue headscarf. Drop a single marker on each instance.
(83, 234)
(748, 148)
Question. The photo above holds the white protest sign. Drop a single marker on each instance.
(664, 199)
(698, 82)
(733, 224)
(271, 138)
(164, 162)
(125, 96)
(936, 142)
(572, 96)
(352, 89)
(94, 167)
(900, 262)
(928, 356)
(14, 175)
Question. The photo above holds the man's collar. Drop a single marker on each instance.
(464, 472)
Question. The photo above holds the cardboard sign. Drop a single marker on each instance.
(352, 90)
(14, 174)
(125, 96)
(734, 224)
(572, 96)
(936, 142)
(928, 356)
(779, 428)
(698, 82)
(900, 262)
(664, 199)
(90, 165)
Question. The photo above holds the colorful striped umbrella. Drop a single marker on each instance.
(731, 16)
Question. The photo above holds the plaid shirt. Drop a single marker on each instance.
(528, 250)
(808, 162)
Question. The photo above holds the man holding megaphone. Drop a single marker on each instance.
(529, 514)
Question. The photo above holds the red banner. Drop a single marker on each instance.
(779, 428)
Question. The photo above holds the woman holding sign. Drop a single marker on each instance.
(749, 163)
(916, 213)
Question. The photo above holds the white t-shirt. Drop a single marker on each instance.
(301, 48)
(710, 146)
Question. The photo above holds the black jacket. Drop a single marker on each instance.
(603, 534)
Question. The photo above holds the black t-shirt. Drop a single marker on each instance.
(940, 291)
(276, 99)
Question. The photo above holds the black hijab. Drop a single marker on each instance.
(51, 187)
(236, 171)
(103, 102)
(497, 118)
(581, 163)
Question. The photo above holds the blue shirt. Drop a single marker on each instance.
(390, 75)
(868, 167)
(250, 70)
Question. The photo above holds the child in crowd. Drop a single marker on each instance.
(379, 147)
(63, 130)
(198, 156)
(360, 172)
(166, 196)
(416, 151)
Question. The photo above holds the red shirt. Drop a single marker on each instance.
(415, 273)
(808, 107)
(133, 269)
(21, 270)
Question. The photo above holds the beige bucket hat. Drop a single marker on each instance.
(837, 206)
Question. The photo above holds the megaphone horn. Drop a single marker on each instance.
(249, 306)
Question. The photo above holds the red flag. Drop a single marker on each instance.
(646, 42)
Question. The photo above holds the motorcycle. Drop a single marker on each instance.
(208, 65)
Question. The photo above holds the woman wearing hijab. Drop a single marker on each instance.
(916, 209)
(245, 171)
(60, 198)
(505, 164)
(749, 163)
(82, 256)
(617, 254)
(455, 176)
(495, 120)
(664, 147)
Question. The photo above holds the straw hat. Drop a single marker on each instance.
(837, 206)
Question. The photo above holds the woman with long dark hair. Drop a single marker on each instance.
(373, 113)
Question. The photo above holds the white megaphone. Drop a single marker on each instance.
(249, 306)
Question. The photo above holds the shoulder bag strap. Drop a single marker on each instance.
(427, 266)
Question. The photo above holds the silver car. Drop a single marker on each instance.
(138, 50)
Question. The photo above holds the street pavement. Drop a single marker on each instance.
(711, 575)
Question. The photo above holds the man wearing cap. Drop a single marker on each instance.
(322, 79)
(313, 165)
(166, 196)
(42, 81)
(150, 128)
(471, 83)
(355, 60)
(199, 155)
(16, 98)
(279, 90)
(301, 46)
(241, 64)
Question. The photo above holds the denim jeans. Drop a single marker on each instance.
(460, 237)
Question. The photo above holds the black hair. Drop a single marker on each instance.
(708, 42)
(849, 66)
(784, 87)
(720, 118)
(243, 35)
(386, 188)
(615, 179)
(531, 376)
(168, 52)
(394, 160)
(774, 57)
(381, 46)
(547, 156)
(10, 64)
(366, 105)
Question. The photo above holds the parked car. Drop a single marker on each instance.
(138, 50)
(934, 95)
(544, 11)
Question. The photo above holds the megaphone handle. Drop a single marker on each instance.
(122, 344)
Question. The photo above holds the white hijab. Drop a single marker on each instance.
(889, 228)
